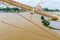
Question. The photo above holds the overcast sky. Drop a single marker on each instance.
(52, 4)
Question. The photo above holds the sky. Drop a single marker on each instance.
(51, 4)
